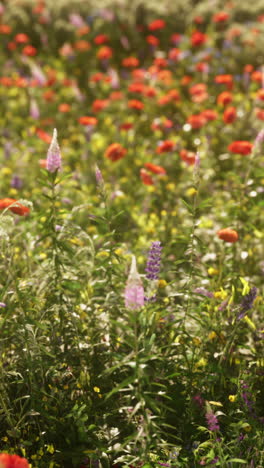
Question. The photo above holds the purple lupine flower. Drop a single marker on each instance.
(247, 302)
(54, 154)
(134, 291)
(2, 304)
(34, 109)
(212, 421)
(16, 182)
(99, 177)
(260, 138)
(153, 261)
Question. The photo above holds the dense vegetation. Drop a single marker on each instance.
(131, 273)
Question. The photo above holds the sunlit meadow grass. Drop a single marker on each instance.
(131, 233)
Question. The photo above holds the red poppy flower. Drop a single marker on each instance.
(99, 104)
(199, 92)
(135, 104)
(11, 45)
(174, 54)
(21, 38)
(225, 79)
(175, 38)
(224, 98)
(43, 135)
(149, 91)
(188, 157)
(248, 68)
(19, 209)
(220, 17)
(198, 20)
(86, 120)
(130, 62)
(12, 461)
(209, 114)
(104, 53)
(29, 51)
(137, 88)
(83, 30)
(153, 40)
(101, 39)
(126, 126)
(116, 95)
(154, 168)
(115, 151)
(260, 94)
(82, 45)
(165, 147)
(229, 115)
(160, 62)
(174, 95)
(196, 121)
(198, 38)
(146, 177)
(156, 25)
(228, 235)
(257, 76)
(240, 147)
(5, 29)
(259, 113)
(64, 107)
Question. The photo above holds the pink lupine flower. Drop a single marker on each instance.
(54, 154)
(134, 291)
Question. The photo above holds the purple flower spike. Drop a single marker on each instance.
(153, 261)
(247, 302)
(54, 154)
(212, 422)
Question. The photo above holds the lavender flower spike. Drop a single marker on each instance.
(153, 261)
(54, 154)
(247, 302)
(134, 291)
(212, 421)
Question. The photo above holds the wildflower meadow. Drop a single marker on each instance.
(132, 234)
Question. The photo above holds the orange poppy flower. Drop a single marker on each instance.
(228, 235)
(155, 169)
(115, 151)
(29, 50)
(240, 147)
(146, 177)
(86, 120)
(229, 115)
(135, 104)
(130, 62)
(12, 461)
(21, 38)
(220, 17)
(18, 208)
(224, 98)
(82, 45)
(165, 147)
(198, 38)
(64, 107)
(104, 53)
(188, 157)
(99, 104)
(101, 39)
(153, 40)
(156, 24)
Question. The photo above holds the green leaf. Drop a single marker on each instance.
(237, 460)
(121, 386)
